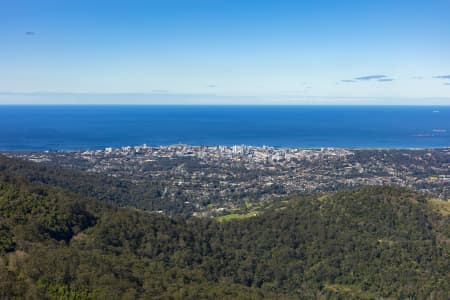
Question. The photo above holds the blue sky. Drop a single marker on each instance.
(219, 52)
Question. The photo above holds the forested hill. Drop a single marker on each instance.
(370, 243)
(100, 186)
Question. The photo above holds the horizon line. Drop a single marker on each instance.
(221, 104)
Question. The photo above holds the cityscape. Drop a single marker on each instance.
(214, 179)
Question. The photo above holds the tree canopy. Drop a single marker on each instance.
(368, 243)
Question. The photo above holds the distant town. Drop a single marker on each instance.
(215, 178)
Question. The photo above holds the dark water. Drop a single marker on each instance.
(92, 127)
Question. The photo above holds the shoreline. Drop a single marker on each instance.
(194, 146)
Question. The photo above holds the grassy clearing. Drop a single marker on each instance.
(231, 217)
(253, 209)
(351, 290)
(440, 206)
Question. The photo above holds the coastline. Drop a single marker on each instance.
(194, 146)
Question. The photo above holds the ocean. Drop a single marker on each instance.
(97, 127)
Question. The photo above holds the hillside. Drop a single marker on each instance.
(370, 243)
(102, 187)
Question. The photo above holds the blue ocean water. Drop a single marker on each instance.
(96, 127)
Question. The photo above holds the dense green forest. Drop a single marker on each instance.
(99, 186)
(58, 242)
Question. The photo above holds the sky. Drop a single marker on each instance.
(225, 52)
